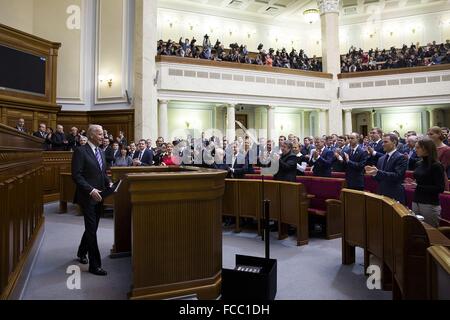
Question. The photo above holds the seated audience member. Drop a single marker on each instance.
(132, 150)
(73, 139)
(302, 161)
(121, 139)
(143, 157)
(409, 151)
(287, 163)
(48, 139)
(390, 170)
(59, 141)
(21, 126)
(123, 160)
(355, 160)
(430, 182)
(169, 159)
(83, 140)
(443, 151)
(445, 132)
(375, 147)
(238, 165)
(322, 159)
(42, 133)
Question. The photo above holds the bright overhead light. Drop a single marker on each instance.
(311, 15)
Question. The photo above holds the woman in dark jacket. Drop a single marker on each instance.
(430, 182)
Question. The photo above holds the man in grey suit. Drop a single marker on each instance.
(390, 170)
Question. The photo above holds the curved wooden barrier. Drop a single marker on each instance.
(389, 231)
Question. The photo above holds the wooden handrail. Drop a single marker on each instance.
(242, 66)
(377, 73)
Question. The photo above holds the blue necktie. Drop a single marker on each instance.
(99, 158)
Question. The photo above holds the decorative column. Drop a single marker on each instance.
(322, 129)
(331, 59)
(432, 116)
(163, 120)
(271, 123)
(231, 123)
(145, 82)
(348, 121)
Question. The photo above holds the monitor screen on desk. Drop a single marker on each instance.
(22, 71)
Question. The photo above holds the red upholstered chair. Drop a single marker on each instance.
(444, 199)
(338, 175)
(409, 192)
(326, 202)
(370, 184)
(257, 177)
(309, 173)
(409, 174)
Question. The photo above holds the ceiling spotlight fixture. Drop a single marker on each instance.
(311, 15)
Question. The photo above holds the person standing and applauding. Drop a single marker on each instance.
(89, 175)
(430, 182)
(390, 170)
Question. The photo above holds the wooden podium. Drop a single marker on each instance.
(176, 216)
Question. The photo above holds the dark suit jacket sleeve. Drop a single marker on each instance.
(327, 158)
(398, 175)
(289, 164)
(147, 158)
(78, 163)
(359, 164)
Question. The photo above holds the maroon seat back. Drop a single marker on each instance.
(409, 174)
(409, 193)
(444, 199)
(257, 177)
(370, 184)
(338, 175)
(322, 189)
(309, 173)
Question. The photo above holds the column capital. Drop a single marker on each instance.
(323, 110)
(328, 6)
(270, 107)
(347, 110)
(163, 101)
(231, 105)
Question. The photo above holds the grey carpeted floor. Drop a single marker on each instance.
(313, 271)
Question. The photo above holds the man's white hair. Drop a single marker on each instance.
(92, 128)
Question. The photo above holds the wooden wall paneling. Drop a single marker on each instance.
(55, 163)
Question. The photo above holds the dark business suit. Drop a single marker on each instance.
(391, 175)
(412, 157)
(287, 168)
(354, 168)
(240, 166)
(58, 139)
(322, 166)
(87, 175)
(146, 158)
(378, 148)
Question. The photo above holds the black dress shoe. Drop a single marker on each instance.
(83, 260)
(98, 271)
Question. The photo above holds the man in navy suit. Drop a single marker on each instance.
(355, 159)
(238, 164)
(89, 175)
(390, 170)
(322, 159)
(375, 148)
(409, 152)
(142, 156)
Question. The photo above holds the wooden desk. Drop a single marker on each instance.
(176, 232)
(55, 163)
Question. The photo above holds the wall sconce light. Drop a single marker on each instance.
(317, 42)
(187, 124)
(170, 25)
(392, 33)
(413, 30)
(108, 78)
(281, 127)
(276, 39)
(249, 35)
(231, 32)
(371, 36)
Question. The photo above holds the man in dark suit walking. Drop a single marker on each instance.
(355, 159)
(390, 170)
(287, 163)
(89, 174)
(322, 159)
